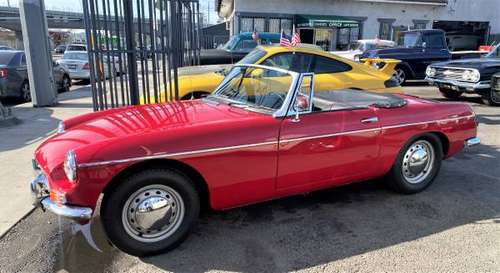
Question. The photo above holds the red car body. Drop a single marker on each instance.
(244, 157)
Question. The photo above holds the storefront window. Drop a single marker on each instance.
(286, 25)
(385, 30)
(259, 24)
(246, 24)
(274, 25)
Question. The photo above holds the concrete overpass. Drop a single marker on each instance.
(9, 19)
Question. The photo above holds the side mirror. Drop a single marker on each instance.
(301, 105)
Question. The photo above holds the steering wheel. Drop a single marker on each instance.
(273, 100)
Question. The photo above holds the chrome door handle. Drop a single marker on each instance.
(370, 120)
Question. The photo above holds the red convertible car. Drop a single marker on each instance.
(263, 134)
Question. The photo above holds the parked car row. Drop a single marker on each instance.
(14, 80)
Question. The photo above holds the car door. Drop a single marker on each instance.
(327, 146)
(434, 49)
(19, 71)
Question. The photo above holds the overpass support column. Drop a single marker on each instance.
(19, 40)
(39, 59)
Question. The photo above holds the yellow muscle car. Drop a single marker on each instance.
(331, 72)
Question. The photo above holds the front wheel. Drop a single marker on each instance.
(417, 165)
(491, 97)
(150, 212)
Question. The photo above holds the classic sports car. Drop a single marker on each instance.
(263, 134)
(467, 76)
(331, 71)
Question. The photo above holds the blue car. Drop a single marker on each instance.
(237, 47)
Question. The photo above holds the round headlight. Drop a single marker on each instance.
(430, 71)
(70, 166)
(466, 76)
(475, 76)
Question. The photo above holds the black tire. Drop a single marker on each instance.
(449, 93)
(115, 201)
(25, 93)
(195, 95)
(400, 182)
(491, 98)
(65, 84)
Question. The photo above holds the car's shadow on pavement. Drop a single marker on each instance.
(311, 230)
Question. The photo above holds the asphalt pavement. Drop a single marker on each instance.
(453, 226)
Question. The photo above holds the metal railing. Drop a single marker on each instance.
(136, 46)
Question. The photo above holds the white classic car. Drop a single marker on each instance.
(357, 48)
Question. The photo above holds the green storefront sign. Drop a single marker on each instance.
(324, 21)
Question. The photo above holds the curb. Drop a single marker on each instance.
(13, 225)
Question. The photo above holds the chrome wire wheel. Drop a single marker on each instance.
(418, 161)
(153, 213)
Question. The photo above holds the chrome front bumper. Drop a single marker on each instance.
(458, 85)
(40, 193)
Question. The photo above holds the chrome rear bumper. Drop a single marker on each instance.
(40, 193)
(472, 142)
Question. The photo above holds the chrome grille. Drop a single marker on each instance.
(449, 73)
(495, 83)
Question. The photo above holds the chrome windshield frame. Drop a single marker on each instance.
(296, 78)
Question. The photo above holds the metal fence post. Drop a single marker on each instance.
(39, 59)
(131, 53)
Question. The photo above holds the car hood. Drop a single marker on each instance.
(210, 53)
(477, 63)
(145, 130)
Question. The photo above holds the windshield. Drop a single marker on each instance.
(231, 43)
(253, 57)
(75, 56)
(255, 88)
(409, 40)
(495, 53)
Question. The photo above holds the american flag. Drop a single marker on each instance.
(295, 37)
(284, 40)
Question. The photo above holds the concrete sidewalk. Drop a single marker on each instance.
(17, 144)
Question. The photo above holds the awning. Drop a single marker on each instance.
(324, 21)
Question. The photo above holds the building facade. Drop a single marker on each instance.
(333, 24)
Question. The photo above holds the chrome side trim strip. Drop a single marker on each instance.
(211, 150)
(167, 155)
(329, 135)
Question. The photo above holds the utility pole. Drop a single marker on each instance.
(38, 56)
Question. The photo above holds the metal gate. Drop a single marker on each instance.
(136, 46)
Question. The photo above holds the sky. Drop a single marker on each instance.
(76, 6)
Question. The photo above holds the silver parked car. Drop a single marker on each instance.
(77, 63)
(14, 76)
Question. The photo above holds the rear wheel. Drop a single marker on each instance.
(195, 95)
(399, 75)
(65, 84)
(449, 93)
(25, 92)
(150, 212)
(417, 165)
